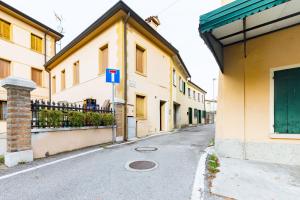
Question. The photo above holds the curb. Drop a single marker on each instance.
(199, 186)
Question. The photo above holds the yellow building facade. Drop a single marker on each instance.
(25, 46)
(148, 65)
(258, 104)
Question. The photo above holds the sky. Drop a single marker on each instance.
(179, 25)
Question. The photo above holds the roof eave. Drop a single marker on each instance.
(111, 12)
(46, 28)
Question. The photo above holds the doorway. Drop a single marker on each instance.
(162, 116)
(190, 116)
(176, 115)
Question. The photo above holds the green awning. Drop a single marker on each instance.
(236, 10)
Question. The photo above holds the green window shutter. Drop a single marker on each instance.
(287, 101)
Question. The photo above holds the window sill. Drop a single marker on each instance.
(142, 74)
(285, 136)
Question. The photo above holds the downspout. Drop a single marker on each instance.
(125, 20)
(45, 61)
(244, 79)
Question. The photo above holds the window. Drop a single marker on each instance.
(174, 77)
(140, 106)
(287, 101)
(53, 86)
(76, 73)
(189, 92)
(63, 79)
(4, 29)
(194, 95)
(140, 60)
(180, 84)
(4, 68)
(183, 87)
(199, 97)
(36, 76)
(103, 59)
(3, 110)
(36, 43)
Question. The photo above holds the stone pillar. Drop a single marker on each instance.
(18, 120)
(119, 107)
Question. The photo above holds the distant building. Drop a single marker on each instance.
(211, 111)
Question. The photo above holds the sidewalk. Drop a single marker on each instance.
(243, 179)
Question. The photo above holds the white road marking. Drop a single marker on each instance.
(75, 156)
(49, 163)
(198, 186)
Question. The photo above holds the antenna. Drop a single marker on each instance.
(60, 28)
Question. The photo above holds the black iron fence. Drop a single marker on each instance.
(56, 115)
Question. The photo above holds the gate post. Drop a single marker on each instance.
(18, 120)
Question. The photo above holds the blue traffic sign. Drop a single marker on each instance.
(112, 75)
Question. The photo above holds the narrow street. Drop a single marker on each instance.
(102, 175)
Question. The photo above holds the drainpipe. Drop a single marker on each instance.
(45, 60)
(125, 20)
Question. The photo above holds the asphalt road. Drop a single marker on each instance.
(102, 175)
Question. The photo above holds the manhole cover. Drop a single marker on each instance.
(141, 165)
(141, 149)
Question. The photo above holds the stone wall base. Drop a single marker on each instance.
(14, 158)
(281, 153)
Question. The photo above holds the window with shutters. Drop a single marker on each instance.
(180, 84)
(194, 95)
(53, 84)
(4, 29)
(36, 43)
(140, 107)
(174, 77)
(189, 92)
(140, 60)
(63, 79)
(287, 101)
(4, 68)
(103, 59)
(36, 76)
(76, 73)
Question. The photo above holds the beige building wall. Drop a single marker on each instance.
(154, 84)
(245, 103)
(23, 58)
(91, 83)
(184, 101)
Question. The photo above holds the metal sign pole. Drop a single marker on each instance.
(114, 115)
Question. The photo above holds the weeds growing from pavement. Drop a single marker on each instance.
(213, 164)
(1, 159)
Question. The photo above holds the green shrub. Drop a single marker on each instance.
(1, 159)
(107, 119)
(50, 118)
(76, 118)
(93, 118)
(213, 163)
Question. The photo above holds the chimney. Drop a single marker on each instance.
(153, 21)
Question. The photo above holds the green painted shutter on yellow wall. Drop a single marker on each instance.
(287, 101)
